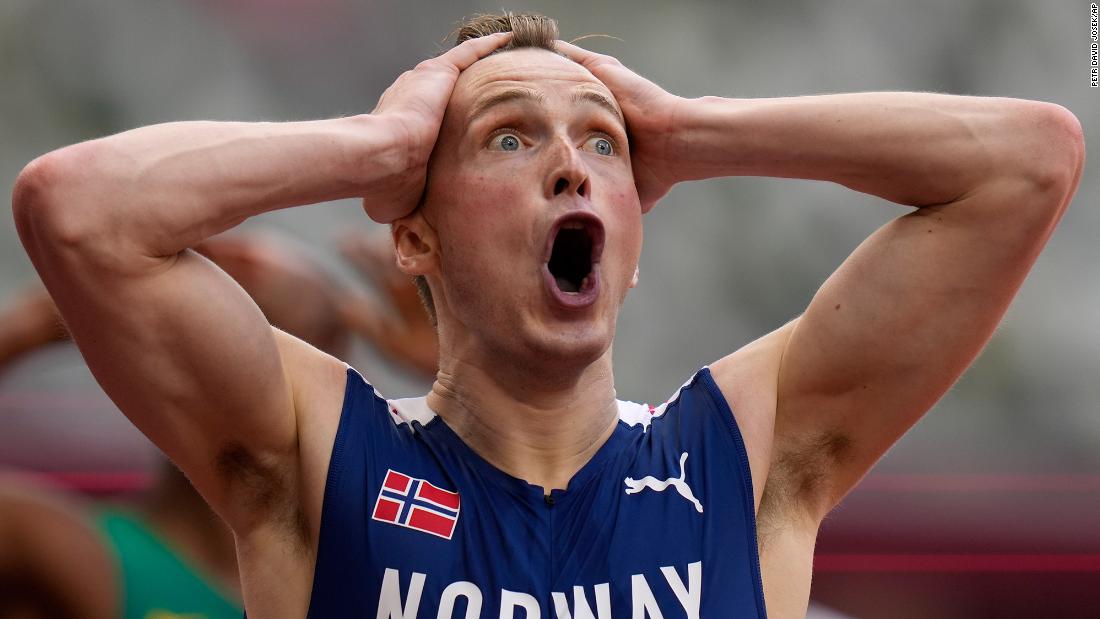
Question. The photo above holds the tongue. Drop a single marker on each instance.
(565, 285)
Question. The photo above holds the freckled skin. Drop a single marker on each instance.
(491, 211)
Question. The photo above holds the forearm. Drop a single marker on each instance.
(163, 188)
(907, 147)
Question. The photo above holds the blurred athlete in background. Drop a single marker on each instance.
(167, 554)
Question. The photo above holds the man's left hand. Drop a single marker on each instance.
(651, 114)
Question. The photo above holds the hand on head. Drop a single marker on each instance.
(415, 103)
(650, 114)
(413, 108)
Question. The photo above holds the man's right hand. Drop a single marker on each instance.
(247, 411)
(177, 344)
(414, 105)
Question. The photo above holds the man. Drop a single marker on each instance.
(165, 553)
(519, 486)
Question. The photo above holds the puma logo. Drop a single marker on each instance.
(634, 486)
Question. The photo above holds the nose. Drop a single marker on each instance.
(568, 174)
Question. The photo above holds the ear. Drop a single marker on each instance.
(634, 280)
(414, 243)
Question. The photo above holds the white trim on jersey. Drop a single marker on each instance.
(634, 414)
(407, 410)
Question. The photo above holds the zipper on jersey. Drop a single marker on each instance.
(550, 501)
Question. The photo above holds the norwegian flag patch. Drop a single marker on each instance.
(417, 504)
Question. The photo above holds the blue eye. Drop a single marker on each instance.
(506, 141)
(600, 146)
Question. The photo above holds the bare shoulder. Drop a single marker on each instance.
(748, 379)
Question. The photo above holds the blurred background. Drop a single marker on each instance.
(989, 507)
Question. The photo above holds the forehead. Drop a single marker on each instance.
(534, 68)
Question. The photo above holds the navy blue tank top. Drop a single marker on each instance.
(659, 524)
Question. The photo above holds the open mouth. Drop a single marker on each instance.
(575, 246)
(571, 258)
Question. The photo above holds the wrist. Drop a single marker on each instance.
(381, 150)
(697, 135)
(711, 137)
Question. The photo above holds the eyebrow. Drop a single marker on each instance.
(483, 106)
(591, 96)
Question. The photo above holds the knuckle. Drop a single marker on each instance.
(611, 60)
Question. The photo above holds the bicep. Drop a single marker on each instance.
(893, 328)
(187, 355)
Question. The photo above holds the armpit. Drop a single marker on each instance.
(797, 482)
(262, 490)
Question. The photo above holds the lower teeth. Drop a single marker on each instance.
(565, 285)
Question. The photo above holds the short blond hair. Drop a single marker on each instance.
(528, 29)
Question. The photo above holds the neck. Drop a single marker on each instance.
(535, 425)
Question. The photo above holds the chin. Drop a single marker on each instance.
(529, 328)
(568, 344)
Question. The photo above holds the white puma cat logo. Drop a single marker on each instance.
(634, 486)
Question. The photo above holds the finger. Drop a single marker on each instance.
(472, 50)
(580, 55)
(573, 52)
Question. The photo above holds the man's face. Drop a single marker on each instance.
(533, 202)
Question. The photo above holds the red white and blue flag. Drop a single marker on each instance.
(417, 504)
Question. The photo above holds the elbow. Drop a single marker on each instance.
(32, 202)
(1056, 157)
(45, 202)
(30, 193)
